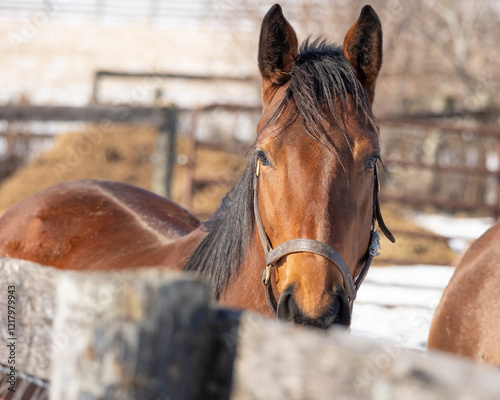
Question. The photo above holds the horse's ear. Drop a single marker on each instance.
(363, 48)
(277, 48)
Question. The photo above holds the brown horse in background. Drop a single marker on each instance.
(467, 320)
(306, 205)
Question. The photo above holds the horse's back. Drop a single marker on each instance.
(467, 320)
(93, 224)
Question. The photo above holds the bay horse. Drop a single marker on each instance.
(467, 319)
(304, 211)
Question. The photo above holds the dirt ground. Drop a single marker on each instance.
(127, 154)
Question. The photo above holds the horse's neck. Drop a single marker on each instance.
(245, 290)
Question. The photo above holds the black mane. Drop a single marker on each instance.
(220, 254)
(321, 81)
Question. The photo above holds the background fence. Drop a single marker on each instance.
(450, 166)
(165, 119)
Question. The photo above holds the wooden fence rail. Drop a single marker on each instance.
(448, 163)
(165, 118)
(153, 334)
(167, 121)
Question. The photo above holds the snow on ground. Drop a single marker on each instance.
(396, 304)
(461, 231)
(452, 227)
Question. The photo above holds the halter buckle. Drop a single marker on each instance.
(374, 245)
(266, 275)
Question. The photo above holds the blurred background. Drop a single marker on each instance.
(165, 94)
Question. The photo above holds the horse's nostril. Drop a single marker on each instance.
(287, 307)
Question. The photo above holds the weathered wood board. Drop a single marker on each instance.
(141, 334)
(277, 361)
(35, 303)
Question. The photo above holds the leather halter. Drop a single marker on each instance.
(313, 246)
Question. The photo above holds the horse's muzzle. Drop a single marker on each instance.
(339, 312)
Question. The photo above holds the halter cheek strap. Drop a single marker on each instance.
(313, 246)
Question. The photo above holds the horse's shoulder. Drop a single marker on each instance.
(87, 214)
(105, 198)
(483, 254)
(467, 319)
(91, 222)
(474, 281)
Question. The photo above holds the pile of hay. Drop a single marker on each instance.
(120, 153)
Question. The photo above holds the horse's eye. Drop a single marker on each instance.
(263, 158)
(370, 164)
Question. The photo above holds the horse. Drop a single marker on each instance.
(301, 222)
(467, 319)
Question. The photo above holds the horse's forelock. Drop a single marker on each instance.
(322, 88)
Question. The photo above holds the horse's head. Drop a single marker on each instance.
(315, 166)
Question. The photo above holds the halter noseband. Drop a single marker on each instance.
(313, 246)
